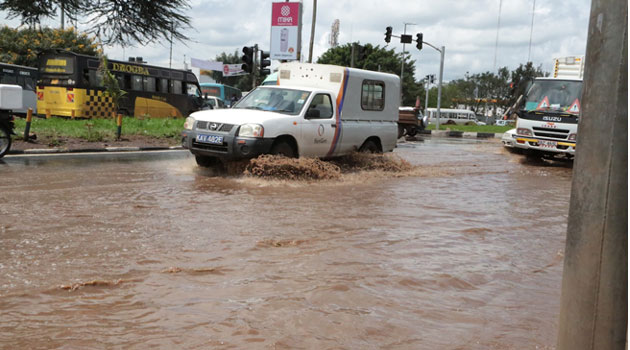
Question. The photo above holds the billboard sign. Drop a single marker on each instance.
(230, 70)
(286, 30)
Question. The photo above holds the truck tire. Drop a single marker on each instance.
(370, 146)
(283, 149)
(5, 141)
(412, 131)
(401, 131)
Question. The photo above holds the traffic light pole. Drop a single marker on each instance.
(439, 101)
(426, 100)
(254, 70)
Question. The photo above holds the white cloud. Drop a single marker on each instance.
(467, 28)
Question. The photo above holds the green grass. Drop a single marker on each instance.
(474, 128)
(100, 129)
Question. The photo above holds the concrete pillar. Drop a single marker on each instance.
(594, 305)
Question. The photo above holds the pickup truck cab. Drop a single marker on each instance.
(313, 111)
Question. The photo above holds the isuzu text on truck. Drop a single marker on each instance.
(547, 125)
(313, 111)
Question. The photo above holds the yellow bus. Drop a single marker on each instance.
(70, 85)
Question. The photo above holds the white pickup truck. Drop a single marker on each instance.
(313, 111)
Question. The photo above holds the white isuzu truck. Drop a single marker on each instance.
(547, 125)
(314, 111)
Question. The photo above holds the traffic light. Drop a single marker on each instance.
(264, 62)
(388, 34)
(248, 59)
(419, 41)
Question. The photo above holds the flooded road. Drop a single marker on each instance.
(150, 251)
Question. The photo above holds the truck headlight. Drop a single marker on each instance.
(188, 124)
(251, 130)
(524, 131)
(572, 137)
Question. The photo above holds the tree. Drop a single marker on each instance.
(112, 21)
(110, 83)
(21, 46)
(521, 76)
(380, 59)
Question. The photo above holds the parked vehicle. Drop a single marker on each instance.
(314, 111)
(225, 93)
(10, 100)
(547, 125)
(70, 85)
(214, 102)
(452, 116)
(410, 121)
(23, 76)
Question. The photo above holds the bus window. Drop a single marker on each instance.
(136, 82)
(29, 84)
(162, 85)
(8, 79)
(96, 79)
(192, 90)
(176, 87)
(149, 84)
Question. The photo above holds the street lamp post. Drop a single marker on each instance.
(441, 50)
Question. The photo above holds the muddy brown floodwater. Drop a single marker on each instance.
(135, 252)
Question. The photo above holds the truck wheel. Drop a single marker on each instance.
(370, 146)
(206, 162)
(283, 149)
(5, 141)
(412, 132)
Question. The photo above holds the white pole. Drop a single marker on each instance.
(531, 32)
(439, 101)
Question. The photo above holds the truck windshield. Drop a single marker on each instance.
(554, 95)
(287, 101)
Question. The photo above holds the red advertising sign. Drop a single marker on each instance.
(285, 14)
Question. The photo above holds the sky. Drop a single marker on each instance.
(478, 35)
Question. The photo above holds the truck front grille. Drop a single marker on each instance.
(203, 125)
(556, 134)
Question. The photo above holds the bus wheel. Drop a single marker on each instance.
(283, 149)
(206, 161)
(5, 141)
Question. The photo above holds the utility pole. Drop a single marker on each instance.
(594, 301)
(62, 9)
(310, 51)
(439, 100)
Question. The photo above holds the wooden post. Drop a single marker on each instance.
(27, 128)
(119, 128)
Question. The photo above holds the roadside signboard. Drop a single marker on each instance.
(286, 30)
(230, 70)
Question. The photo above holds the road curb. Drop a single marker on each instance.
(459, 134)
(93, 150)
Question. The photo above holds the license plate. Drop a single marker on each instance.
(547, 144)
(213, 139)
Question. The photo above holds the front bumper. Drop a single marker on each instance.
(528, 142)
(232, 148)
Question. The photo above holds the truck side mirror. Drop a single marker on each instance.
(312, 113)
